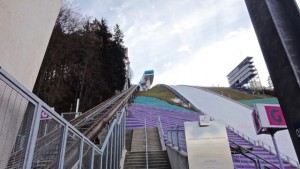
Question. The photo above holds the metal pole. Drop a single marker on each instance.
(146, 144)
(177, 134)
(172, 136)
(277, 151)
(77, 107)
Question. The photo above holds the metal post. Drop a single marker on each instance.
(81, 152)
(46, 127)
(77, 107)
(258, 163)
(146, 144)
(277, 151)
(63, 147)
(93, 157)
(106, 154)
(172, 137)
(177, 133)
(32, 136)
(111, 148)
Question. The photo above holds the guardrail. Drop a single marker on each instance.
(258, 161)
(114, 143)
(35, 136)
(146, 146)
(174, 137)
(284, 157)
(161, 133)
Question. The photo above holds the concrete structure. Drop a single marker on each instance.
(234, 114)
(277, 26)
(172, 121)
(147, 80)
(178, 159)
(25, 30)
(207, 145)
(242, 73)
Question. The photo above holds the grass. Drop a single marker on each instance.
(161, 93)
(235, 94)
(158, 92)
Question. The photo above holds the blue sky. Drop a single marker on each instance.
(192, 42)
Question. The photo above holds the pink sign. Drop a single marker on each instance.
(45, 116)
(275, 116)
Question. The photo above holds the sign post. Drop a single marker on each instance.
(268, 119)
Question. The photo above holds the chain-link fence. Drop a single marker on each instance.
(32, 135)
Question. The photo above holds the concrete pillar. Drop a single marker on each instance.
(25, 30)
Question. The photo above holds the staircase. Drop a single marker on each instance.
(136, 158)
(171, 119)
(241, 162)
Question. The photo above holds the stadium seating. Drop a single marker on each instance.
(172, 117)
(251, 102)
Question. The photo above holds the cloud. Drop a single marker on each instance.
(184, 48)
(184, 41)
(210, 65)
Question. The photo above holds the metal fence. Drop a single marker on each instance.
(176, 137)
(161, 133)
(32, 135)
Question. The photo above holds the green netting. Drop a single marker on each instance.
(158, 103)
(264, 101)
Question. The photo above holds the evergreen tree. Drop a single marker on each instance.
(83, 60)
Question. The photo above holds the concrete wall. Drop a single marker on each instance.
(178, 160)
(25, 30)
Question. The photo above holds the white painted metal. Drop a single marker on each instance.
(35, 153)
(77, 107)
(234, 114)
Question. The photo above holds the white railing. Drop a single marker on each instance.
(36, 136)
(161, 134)
(286, 158)
(146, 144)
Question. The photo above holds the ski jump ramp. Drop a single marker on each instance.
(234, 114)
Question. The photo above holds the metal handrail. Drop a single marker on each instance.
(247, 151)
(161, 133)
(146, 146)
(285, 157)
(177, 130)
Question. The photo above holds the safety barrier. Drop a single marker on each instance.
(161, 133)
(176, 137)
(146, 143)
(35, 136)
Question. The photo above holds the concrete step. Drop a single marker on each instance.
(156, 160)
(138, 141)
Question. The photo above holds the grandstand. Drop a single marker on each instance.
(172, 119)
(251, 102)
(96, 139)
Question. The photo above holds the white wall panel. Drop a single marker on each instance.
(25, 30)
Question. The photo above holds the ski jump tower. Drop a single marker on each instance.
(147, 80)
